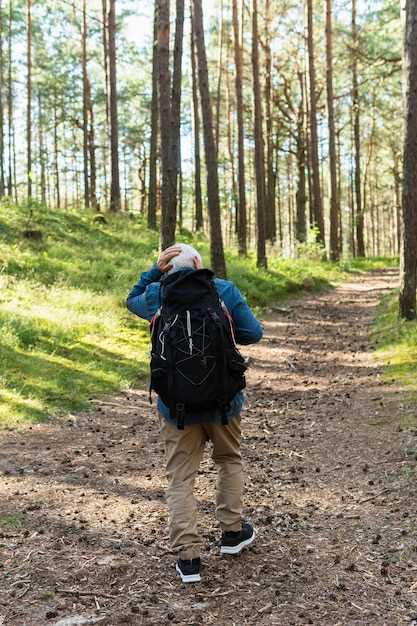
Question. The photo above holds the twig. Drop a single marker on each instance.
(86, 593)
(381, 493)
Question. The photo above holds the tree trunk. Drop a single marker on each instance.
(196, 118)
(56, 153)
(2, 177)
(115, 201)
(41, 150)
(85, 108)
(259, 142)
(301, 197)
(242, 219)
(175, 132)
(216, 238)
(153, 153)
(29, 101)
(91, 137)
(407, 300)
(334, 208)
(315, 164)
(10, 129)
(360, 242)
(270, 219)
(219, 77)
(164, 89)
(106, 142)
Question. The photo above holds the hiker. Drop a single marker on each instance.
(198, 374)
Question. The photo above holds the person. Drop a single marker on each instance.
(184, 447)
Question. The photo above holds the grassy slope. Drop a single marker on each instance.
(397, 345)
(65, 334)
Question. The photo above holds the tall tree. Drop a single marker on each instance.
(10, 129)
(164, 90)
(241, 218)
(29, 98)
(407, 301)
(196, 119)
(270, 218)
(334, 208)
(317, 208)
(153, 150)
(175, 134)
(360, 242)
(300, 142)
(213, 200)
(2, 177)
(115, 199)
(259, 143)
(85, 106)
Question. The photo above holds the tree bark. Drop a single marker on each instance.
(360, 242)
(56, 153)
(164, 89)
(407, 300)
(259, 143)
(270, 218)
(85, 107)
(175, 133)
(91, 138)
(10, 129)
(41, 150)
(242, 219)
(334, 208)
(115, 200)
(29, 100)
(106, 142)
(153, 153)
(317, 208)
(301, 197)
(2, 168)
(196, 117)
(216, 237)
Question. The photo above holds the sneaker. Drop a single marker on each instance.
(233, 542)
(189, 570)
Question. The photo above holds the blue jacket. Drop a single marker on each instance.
(144, 301)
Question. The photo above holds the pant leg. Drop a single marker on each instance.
(227, 456)
(183, 451)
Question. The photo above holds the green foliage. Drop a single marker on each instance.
(65, 334)
(396, 341)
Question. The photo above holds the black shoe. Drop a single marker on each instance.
(233, 542)
(189, 570)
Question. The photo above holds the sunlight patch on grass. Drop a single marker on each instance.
(396, 341)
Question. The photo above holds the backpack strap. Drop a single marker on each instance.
(223, 404)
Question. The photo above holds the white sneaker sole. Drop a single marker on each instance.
(240, 546)
(188, 578)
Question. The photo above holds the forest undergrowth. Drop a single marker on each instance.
(66, 335)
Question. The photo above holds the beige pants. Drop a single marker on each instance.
(184, 450)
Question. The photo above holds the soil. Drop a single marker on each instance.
(330, 458)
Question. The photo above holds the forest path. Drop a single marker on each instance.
(330, 487)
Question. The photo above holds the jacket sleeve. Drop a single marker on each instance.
(247, 328)
(143, 299)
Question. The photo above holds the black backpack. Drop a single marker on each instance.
(195, 364)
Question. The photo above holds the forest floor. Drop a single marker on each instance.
(330, 452)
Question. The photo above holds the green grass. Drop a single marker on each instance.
(65, 334)
(10, 521)
(396, 341)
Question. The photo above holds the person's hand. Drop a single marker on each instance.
(163, 262)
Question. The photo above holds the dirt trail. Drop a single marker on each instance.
(330, 487)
